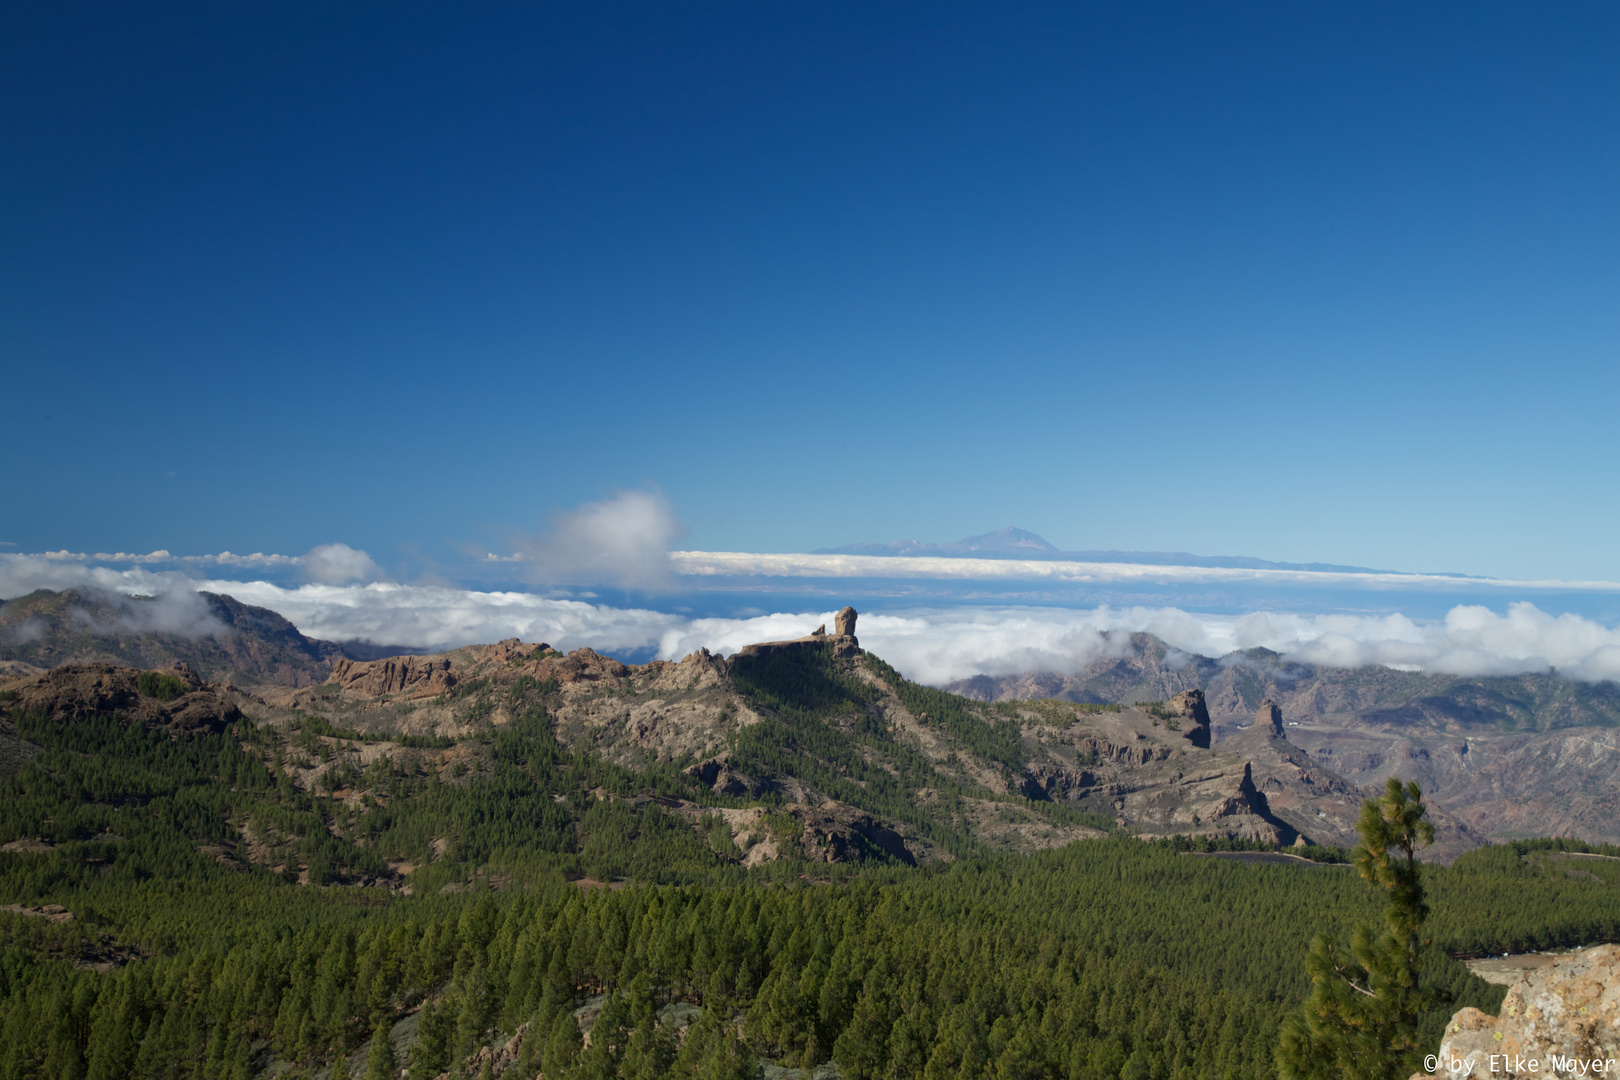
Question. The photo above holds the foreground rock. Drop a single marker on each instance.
(1559, 1020)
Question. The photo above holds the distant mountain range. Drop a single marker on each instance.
(219, 636)
(1524, 755)
(1015, 543)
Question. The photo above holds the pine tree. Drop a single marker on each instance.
(1360, 1020)
(380, 1061)
(340, 1068)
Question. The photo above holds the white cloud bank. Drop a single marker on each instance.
(934, 645)
(739, 564)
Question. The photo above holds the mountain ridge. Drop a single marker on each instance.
(216, 634)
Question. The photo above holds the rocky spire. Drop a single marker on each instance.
(1190, 703)
(1268, 718)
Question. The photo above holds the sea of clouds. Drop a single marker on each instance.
(969, 621)
(935, 644)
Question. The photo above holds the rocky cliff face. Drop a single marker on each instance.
(1560, 1020)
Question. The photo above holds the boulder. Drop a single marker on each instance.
(1190, 704)
(1555, 1021)
(844, 622)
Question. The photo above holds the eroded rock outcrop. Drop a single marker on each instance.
(1555, 1021)
(582, 665)
(414, 676)
(1268, 718)
(723, 777)
(1195, 714)
(175, 700)
(842, 640)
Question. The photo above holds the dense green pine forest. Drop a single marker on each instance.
(185, 957)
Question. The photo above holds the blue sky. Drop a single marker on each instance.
(1303, 282)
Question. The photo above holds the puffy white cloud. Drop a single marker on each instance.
(339, 564)
(624, 540)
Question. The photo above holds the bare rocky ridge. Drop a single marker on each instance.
(1529, 755)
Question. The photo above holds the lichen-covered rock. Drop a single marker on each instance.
(1556, 1021)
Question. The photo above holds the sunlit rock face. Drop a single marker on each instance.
(1558, 1020)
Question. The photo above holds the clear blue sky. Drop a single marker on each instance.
(1299, 281)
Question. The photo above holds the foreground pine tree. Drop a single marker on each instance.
(1360, 1020)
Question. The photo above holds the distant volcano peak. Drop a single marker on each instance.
(1008, 538)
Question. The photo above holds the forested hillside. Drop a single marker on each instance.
(208, 902)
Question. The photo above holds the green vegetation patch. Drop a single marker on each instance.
(160, 685)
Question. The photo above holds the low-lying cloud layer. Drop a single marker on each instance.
(934, 644)
(740, 564)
